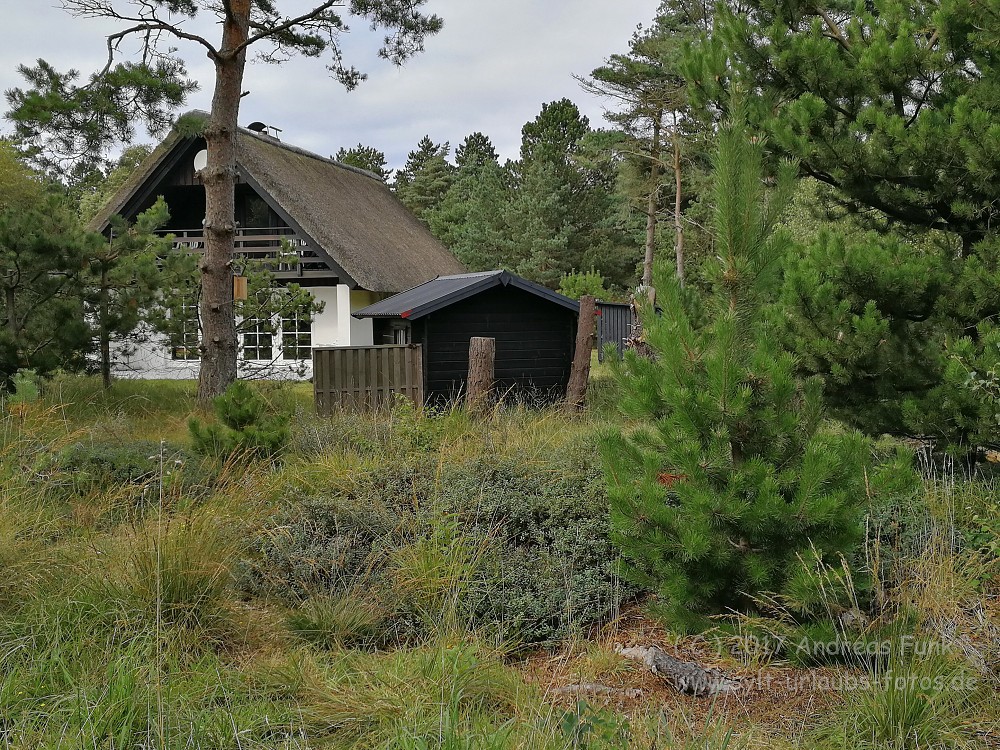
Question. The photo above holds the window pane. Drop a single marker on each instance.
(257, 340)
(184, 338)
(296, 337)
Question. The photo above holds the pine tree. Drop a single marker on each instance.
(424, 180)
(649, 90)
(539, 225)
(108, 182)
(475, 151)
(893, 106)
(562, 199)
(43, 255)
(476, 175)
(122, 280)
(730, 488)
(919, 80)
(862, 312)
(367, 158)
(471, 219)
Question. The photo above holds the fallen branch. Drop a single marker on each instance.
(684, 676)
(591, 688)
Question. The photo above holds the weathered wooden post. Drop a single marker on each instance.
(482, 355)
(586, 332)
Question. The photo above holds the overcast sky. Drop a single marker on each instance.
(490, 69)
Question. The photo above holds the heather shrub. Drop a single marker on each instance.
(530, 539)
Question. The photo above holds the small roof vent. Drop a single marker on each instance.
(264, 129)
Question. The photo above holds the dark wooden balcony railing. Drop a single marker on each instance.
(263, 245)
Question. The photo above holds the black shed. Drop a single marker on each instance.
(534, 328)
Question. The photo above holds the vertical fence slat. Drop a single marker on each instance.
(398, 368)
(385, 381)
(365, 377)
(417, 374)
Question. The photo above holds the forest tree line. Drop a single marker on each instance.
(890, 288)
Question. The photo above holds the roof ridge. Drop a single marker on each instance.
(470, 275)
(311, 154)
(294, 149)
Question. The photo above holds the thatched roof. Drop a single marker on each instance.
(347, 214)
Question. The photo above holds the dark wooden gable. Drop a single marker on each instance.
(176, 181)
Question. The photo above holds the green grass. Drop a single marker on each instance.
(123, 624)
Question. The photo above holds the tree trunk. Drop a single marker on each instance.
(482, 356)
(218, 324)
(678, 225)
(102, 327)
(10, 299)
(576, 391)
(653, 206)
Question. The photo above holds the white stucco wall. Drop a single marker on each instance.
(325, 331)
(151, 360)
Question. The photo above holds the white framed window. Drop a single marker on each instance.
(184, 338)
(296, 336)
(258, 339)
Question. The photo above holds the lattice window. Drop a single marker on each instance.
(296, 336)
(185, 334)
(258, 339)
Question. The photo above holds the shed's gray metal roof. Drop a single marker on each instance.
(447, 290)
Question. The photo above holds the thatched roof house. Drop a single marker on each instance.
(355, 242)
(359, 231)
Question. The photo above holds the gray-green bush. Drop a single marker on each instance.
(544, 563)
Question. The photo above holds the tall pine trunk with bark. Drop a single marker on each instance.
(653, 205)
(678, 196)
(218, 322)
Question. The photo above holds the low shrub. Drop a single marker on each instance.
(535, 553)
(247, 426)
(126, 475)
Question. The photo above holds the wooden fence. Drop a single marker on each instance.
(362, 377)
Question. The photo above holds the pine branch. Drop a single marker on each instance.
(269, 32)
